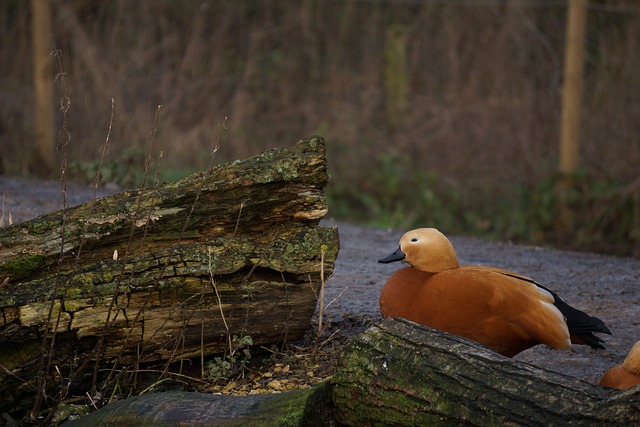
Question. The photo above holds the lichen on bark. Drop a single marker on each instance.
(233, 250)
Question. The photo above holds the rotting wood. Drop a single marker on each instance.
(245, 233)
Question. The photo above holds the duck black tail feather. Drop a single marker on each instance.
(582, 325)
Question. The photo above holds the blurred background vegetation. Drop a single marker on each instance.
(436, 113)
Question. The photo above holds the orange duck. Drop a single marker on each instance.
(626, 375)
(503, 310)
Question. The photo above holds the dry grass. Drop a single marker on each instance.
(479, 90)
(484, 83)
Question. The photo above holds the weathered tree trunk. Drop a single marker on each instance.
(399, 373)
(167, 273)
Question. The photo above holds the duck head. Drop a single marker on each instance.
(425, 249)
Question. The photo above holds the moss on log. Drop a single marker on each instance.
(306, 407)
(168, 273)
(399, 373)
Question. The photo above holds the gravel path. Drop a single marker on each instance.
(26, 199)
(603, 286)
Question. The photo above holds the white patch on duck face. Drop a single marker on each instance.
(410, 240)
(410, 245)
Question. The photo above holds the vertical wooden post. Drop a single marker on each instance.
(43, 88)
(395, 74)
(571, 108)
(572, 88)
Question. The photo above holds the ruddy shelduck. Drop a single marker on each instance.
(501, 309)
(626, 375)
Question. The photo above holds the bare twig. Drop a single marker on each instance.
(215, 289)
(108, 321)
(64, 139)
(323, 250)
(2, 216)
(239, 215)
(104, 150)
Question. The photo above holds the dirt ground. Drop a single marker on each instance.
(603, 286)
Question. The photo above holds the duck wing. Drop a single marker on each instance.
(581, 325)
(495, 309)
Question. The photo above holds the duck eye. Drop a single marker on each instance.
(414, 239)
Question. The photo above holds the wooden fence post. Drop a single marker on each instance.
(395, 74)
(571, 107)
(43, 89)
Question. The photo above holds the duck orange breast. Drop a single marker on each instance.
(498, 308)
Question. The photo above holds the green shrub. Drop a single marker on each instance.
(601, 214)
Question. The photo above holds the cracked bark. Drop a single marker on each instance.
(157, 268)
(400, 373)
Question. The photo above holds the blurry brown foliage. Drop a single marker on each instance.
(483, 81)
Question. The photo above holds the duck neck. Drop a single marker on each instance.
(437, 261)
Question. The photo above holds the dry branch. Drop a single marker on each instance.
(244, 233)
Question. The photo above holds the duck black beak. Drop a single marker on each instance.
(398, 255)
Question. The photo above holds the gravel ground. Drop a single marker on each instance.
(26, 199)
(603, 286)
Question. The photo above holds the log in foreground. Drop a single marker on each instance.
(304, 407)
(403, 374)
(167, 273)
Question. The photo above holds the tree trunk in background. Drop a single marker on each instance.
(571, 109)
(399, 373)
(572, 88)
(44, 156)
(396, 79)
(169, 273)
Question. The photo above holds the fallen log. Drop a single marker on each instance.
(305, 407)
(403, 374)
(167, 273)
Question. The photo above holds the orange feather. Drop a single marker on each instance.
(498, 308)
(626, 375)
